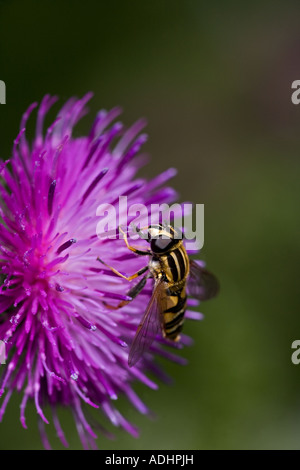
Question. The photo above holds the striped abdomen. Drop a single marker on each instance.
(175, 266)
(174, 314)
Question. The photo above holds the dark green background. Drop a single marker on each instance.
(214, 81)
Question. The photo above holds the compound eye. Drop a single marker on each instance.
(159, 245)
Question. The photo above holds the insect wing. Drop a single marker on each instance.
(202, 284)
(150, 325)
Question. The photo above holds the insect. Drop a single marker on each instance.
(175, 276)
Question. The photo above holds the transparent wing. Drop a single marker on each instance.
(201, 284)
(150, 325)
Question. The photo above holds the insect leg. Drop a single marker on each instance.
(133, 292)
(128, 278)
(132, 248)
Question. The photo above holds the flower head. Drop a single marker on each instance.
(64, 345)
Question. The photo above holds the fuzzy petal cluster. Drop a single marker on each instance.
(64, 346)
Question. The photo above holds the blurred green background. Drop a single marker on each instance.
(214, 81)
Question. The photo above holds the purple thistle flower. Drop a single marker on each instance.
(64, 346)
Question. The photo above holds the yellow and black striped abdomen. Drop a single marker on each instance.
(175, 265)
(174, 314)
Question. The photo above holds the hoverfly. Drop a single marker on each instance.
(175, 276)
